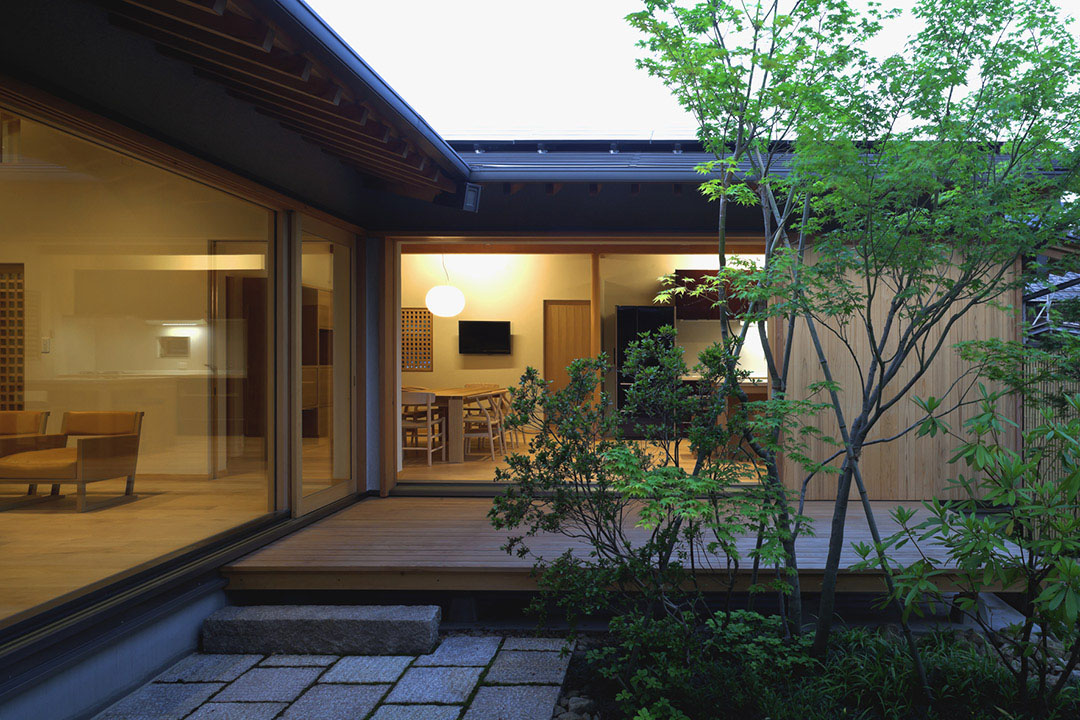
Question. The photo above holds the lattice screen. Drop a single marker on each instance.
(416, 340)
(12, 337)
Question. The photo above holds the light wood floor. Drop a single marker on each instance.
(421, 543)
(317, 465)
(49, 553)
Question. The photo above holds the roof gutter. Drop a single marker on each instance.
(340, 51)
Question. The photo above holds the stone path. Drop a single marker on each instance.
(466, 678)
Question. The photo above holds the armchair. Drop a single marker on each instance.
(106, 447)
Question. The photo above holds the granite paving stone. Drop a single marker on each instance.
(435, 685)
(299, 660)
(269, 685)
(417, 712)
(535, 643)
(462, 650)
(520, 702)
(513, 667)
(336, 702)
(237, 711)
(367, 669)
(209, 668)
(323, 629)
(159, 701)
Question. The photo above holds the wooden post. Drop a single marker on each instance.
(596, 305)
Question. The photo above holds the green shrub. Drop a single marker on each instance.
(740, 665)
(1029, 545)
(669, 669)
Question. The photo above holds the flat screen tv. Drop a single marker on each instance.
(484, 337)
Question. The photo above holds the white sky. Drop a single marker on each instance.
(511, 69)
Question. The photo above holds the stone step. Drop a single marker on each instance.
(323, 629)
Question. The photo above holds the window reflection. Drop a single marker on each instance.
(134, 385)
(325, 359)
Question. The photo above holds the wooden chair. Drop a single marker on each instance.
(506, 409)
(419, 413)
(15, 427)
(14, 423)
(416, 412)
(106, 447)
(482, 421)
(501, 398)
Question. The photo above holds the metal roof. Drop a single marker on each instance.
(641, 161)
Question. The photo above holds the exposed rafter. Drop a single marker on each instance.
(231, 43)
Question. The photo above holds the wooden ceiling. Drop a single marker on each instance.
(230, 42)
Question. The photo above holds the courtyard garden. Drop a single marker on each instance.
(901, 197)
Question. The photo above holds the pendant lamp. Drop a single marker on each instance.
(445, 300)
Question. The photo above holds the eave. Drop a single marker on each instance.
(279, 57)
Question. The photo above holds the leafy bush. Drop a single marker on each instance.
(672, 669)
(1029, 544)
(738, 665)
(642, 527)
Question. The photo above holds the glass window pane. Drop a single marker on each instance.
(325, 358)
(135, 324)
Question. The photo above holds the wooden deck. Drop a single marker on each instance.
(423, 543)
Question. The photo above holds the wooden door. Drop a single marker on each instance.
(567, 337)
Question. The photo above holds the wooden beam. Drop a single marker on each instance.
(596, 309)
(215, 6)
(744, 240)
(344, 116)
(242, 71)
(389, 366)
(227, 24)
(373, 163)
(555, 247)
(170, 32)
(336, 125)
(367, 136)
(441, 183)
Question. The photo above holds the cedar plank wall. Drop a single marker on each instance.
(910, 468)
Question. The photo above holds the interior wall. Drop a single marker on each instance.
(514, 287)
(496, 287)
(117, 253)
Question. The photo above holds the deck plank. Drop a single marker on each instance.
(419, 543)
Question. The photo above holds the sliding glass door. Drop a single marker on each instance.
(327, 372)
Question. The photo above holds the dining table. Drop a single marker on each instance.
(452, 400)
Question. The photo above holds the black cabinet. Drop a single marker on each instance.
(630, 322)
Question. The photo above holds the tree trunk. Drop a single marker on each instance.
(832, 563)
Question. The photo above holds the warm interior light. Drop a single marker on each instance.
(445, 300)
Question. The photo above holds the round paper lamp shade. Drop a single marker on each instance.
(445, 300)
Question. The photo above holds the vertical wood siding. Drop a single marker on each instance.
(910, 468)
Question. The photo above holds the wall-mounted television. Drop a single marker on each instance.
(484, 337)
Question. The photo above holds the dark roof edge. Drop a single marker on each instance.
(676, 145)
(340, 51)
